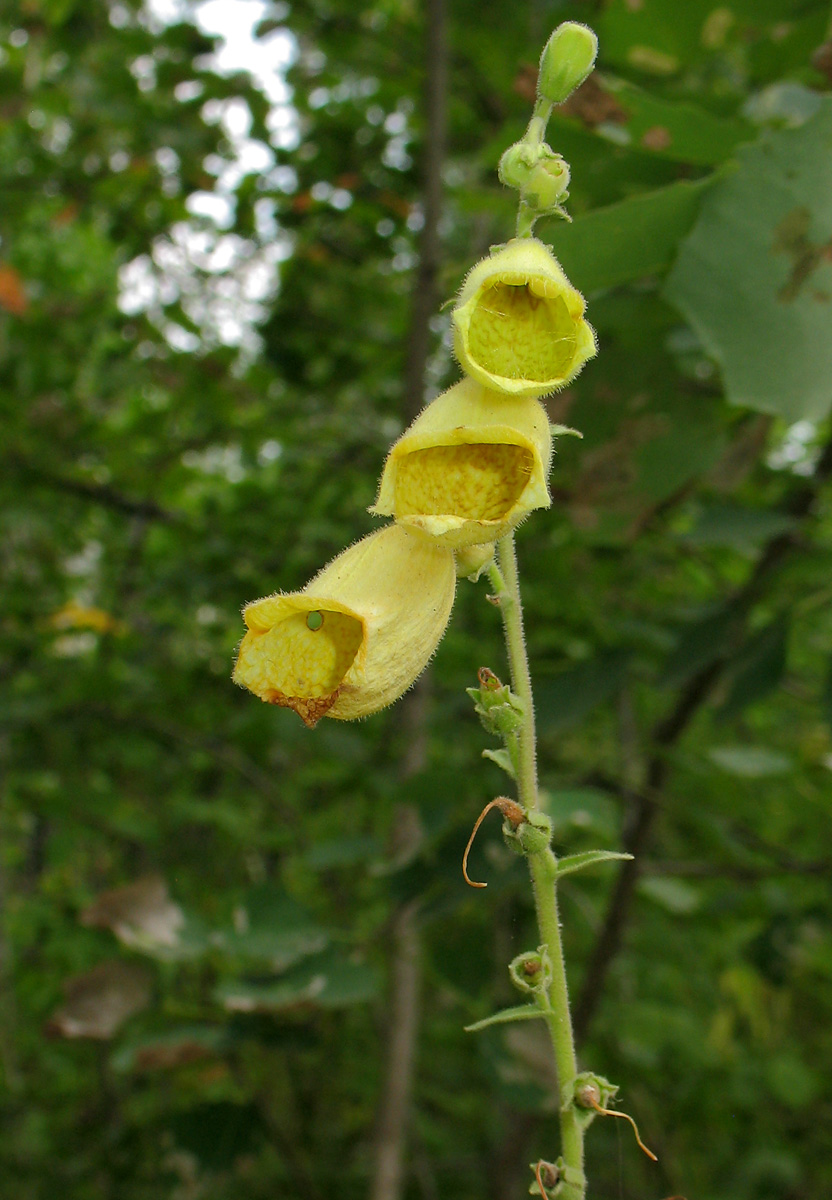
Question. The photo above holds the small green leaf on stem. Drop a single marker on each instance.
(567, 60)
(520, 1012)
(588, 858)
(503, 760)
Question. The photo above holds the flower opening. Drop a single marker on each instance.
(297, 655)
(470, 467)
(519, 324)
(357, 636)
(478, 481)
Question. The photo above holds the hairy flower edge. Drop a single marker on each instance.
(471, 466)
(357, 636)
(519, 325)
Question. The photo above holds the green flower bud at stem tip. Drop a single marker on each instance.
(567, 60)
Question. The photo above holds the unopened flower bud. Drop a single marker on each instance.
(358, 635)
(519, 324)
(535, 833)
(517, 163)
(567, 60)
(547, 185)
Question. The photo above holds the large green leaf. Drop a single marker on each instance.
(741, 529)
(754, 277)
(750, 762)
(628, 240)
(327, 981)
(565, 699)
(678, 131)
(271, 927)
(760, 667)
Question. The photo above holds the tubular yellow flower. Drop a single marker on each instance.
(357, 636)
(519, 324)
(470, 467)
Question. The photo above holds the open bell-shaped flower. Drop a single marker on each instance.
(519, 324)
(471, 466)
(358, 635)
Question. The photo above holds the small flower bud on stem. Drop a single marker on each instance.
(532, 972)
(547, 1176)
(588, 1095)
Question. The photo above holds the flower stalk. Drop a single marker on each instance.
(471, 466)
(543, 868)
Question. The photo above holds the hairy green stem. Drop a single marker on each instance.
(526, 217)
(507, 584)
(536, 130)
(543, 868)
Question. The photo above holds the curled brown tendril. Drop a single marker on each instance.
(609, 1112)
(510, 809)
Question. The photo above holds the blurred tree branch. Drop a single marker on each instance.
(646, 804)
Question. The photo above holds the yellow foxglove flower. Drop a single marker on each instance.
(470, 467)
(357, 636)
(519, 324)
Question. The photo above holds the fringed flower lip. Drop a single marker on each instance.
(471, 466)
(519, 324)
(357, 636)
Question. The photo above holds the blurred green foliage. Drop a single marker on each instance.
(195, 891)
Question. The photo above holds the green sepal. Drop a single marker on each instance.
(499, 710)
(520, 1012)
(588, 858)
(532, 836)
(503, 760)
(564, 431)
(531, 972)
(550, 1192)
(584, 1113)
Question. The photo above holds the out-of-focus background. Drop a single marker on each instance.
(236, 956)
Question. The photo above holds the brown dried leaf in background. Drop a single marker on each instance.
(12, 293)
(140, 914)
(99, 1001)
(592, 105)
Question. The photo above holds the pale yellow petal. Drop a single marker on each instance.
(358, 635)
(518, 324)
(470, 467)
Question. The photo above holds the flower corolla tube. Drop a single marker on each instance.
(358, 635)
(471, 466)
(519, 324)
